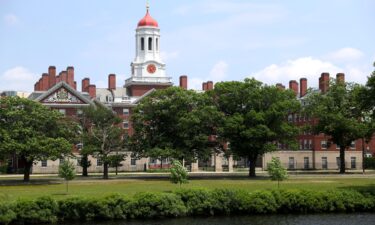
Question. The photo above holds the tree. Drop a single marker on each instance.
(255, 118)
(105, 136)
(115, 160)
(84, 125)
(179, 174)
(160, 154)
(34, 132)
(68, 172)
(338, 115)
(277, 171)
(174, 122)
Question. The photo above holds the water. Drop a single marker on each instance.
(315, 219)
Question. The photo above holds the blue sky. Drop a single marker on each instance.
(273, 41)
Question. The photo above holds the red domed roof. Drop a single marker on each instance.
(148, 21)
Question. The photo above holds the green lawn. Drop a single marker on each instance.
(96, 187)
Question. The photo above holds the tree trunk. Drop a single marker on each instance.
(342, 159)
(161, 163)
(116, 170)
(67, 188)
(252, 160)
(27, 170)
(105, 170)
(84, 164)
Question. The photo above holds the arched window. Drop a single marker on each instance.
(142, 44)
(149, 44)
(157, 44)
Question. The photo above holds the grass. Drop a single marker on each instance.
(11, 189)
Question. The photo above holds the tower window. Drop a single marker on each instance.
(142, 44)
(149, 44)
(157, 44)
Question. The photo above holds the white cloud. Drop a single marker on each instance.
(18, 79)
(10, 19)
(217, 73)
(345, 55)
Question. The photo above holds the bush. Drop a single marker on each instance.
(369, 162)
(193, 202)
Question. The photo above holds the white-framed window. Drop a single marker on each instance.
(323, 144)
(352, 145)
(125, 124)
(305, 143)
(306, 163)
(324, 163)
(99, 162)
(338, 162)
(44, 163)
(290, 118)
(62, 111)
(300, 144)
(310, 144)
(353, 162)
(125, 111)
(291, 163)
(133, 161)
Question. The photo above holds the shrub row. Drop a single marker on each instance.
(185, 202)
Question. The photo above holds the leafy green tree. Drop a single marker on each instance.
(255, 118)
(176, 122)
(338, 115)
(34, 132)
(84, 125)
(115, 160)
(67, 172)
(104, 136)
(179, 174)
(160, 154)
(277, 171)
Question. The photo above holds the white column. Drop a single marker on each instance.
(230, 164)
(219, 162)
(194, 166)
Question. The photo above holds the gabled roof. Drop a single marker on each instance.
(72, 91)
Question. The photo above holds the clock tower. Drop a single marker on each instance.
(147, 68)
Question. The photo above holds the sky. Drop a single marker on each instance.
(219, 40)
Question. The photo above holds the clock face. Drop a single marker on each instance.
(151, 68)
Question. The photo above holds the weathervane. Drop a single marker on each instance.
(147, 5)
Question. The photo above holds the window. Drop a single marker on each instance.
(337, 146)
(323, 144)
(305, 143)
(290, 118)
(310, 144)
(352, 145)
(157, 44)
(149, 44)
(99, 162)
(125, 111)
(44, 163)
(306, 162)
(324, 163)
(291, 163)
(301, 144)
(338, 162)
(142, 44)
(125, 124)
(152, 161)
(62, 111)
(62, 160)
(79, 161)
(133, 161)
(353, 162)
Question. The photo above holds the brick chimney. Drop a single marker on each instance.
(36, 86)
(280, 86)
(183, 82)
(45, 80)
(85, 84)
(324, 82)
(340, 77)
(70, 76)
(58, 78)
(303, 87)
(64, 76)
(75, 85)
(293, 85)
(112, 82)
(41, 88)
(92, 90)
(204, 86)
(52, 76)
(210, 85)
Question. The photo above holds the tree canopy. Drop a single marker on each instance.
(255, 117)
(175, 120)
(34, 132)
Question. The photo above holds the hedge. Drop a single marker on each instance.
(185, 202)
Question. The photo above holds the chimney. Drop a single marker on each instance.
(52, 76)
(85, 84)
(112, 82)
(45, 80)
(63, 76)
(36, 88)
(58, 78)
(183, 82)
(303, 87)
(204, 86)
(41, 88)
(324, 82)
(293, 85)
(340, 78)
(280, 86)
(75, 85)
(92, 90)
(210, 85)
(70, 76)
